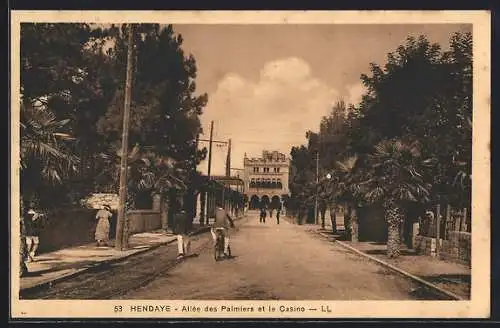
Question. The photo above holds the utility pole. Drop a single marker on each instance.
(121, 230)
(228, 159)
(194, 187)
(209, 168)
(317, 183)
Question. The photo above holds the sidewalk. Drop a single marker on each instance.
(450, 276)
(64, 263)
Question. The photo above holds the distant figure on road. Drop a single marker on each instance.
(278, 210)
(32, 228)
(222, 221)
(102, 228)
(181, 229)
(263, 214)
(271, 213)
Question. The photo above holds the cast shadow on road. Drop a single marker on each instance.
(91, 265)
(230, 258)
(403, 252)
(263, 226)
(449, 278)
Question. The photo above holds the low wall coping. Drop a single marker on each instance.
(143, 212)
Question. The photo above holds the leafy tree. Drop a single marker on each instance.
(164, 110)
(427, 94)
(69, 70)
(65, 71)
(417, 106)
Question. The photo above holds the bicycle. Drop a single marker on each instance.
(219, 244)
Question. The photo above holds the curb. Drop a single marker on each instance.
(394, 268)
(110, 261)
(102, 263)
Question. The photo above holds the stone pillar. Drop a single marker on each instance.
(198, 207)
(433, 247)
(414, 233)
(156, 202)
(164, 214)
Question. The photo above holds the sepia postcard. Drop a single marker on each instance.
(238, 164)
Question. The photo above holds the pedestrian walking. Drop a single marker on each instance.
(181, 229)
(32, 228)
(101, 235)
(23, 252)
(278, 210)
(271, 213)
(263, 214)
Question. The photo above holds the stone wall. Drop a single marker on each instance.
(66, 228)
(73, 227)
(144, 220)
(457, 247)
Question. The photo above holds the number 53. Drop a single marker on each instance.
(118, 308)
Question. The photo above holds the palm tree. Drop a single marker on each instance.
(352, 172)
(45, 153)
(146, 171)
(397, 178)
(44, 156)
(344, 186)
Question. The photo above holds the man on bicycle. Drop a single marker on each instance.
(222, 221)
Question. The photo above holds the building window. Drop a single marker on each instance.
(256, 169)
(252, 183)
(279, 184)
(277, 170)
(266, 170)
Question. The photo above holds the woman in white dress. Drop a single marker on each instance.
(102, 229)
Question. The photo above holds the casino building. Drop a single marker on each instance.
(266, 179)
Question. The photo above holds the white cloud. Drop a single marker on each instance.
(355, 93)
(271, 113)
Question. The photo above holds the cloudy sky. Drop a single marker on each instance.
(268, 84)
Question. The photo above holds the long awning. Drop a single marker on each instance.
(231, 181)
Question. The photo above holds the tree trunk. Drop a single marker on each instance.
(394, 218)
(333, 217)
(347, 221)
(354, 225)
(393, 240)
